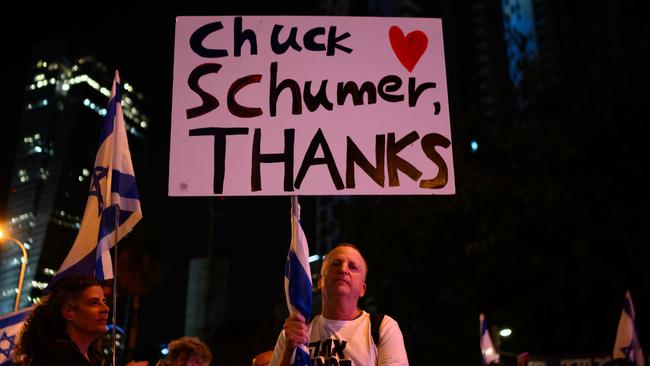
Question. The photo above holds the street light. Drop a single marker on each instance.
(505, 332)
(22, 267)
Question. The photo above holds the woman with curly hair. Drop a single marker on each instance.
(65, 328)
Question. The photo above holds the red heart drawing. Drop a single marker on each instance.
(409, 48)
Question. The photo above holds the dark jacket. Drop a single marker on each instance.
(63, 352)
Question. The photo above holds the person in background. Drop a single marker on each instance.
(65, 328)
(263, 359)
(187, 351)
(343, 333)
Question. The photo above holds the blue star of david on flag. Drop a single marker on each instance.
(99, 173)
(10, 326)
(627, 351)
(5, 338)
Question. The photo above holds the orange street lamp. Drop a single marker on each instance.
(22, 267)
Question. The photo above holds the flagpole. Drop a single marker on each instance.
(294, 204)
(117, 226)
(118, 94)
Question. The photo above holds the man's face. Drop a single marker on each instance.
(344, 274)
(89, 313)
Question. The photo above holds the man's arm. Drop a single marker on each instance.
(295, 332)
(391, 350)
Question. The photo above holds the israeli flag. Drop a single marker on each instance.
(113, 196)
(488, 353)
(10, 326)
(297, 279)
(627, 344)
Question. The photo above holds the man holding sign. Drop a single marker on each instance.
(314, 106)
(343, 334)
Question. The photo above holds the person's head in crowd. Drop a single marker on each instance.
(74, 311)
(263, 359)
(187, 351)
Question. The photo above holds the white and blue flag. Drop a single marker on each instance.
(10, 327)
(113, 196)
(488, 352)
(627, 344)
(297, 279)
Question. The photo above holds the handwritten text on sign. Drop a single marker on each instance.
(309, 105)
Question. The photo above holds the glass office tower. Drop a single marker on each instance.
(64, 104)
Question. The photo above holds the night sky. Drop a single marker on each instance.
(546, 233)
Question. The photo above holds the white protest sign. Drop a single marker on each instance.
(283, 105)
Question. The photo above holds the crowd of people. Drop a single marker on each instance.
(66, 328)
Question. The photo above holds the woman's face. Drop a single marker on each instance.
(89, 314)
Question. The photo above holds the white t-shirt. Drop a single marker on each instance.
(350, 343)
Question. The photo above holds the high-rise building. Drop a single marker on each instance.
(64, 104)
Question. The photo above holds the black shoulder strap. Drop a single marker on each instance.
(375, 322)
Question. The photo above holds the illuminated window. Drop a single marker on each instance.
(44, 173)
(23, 176)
